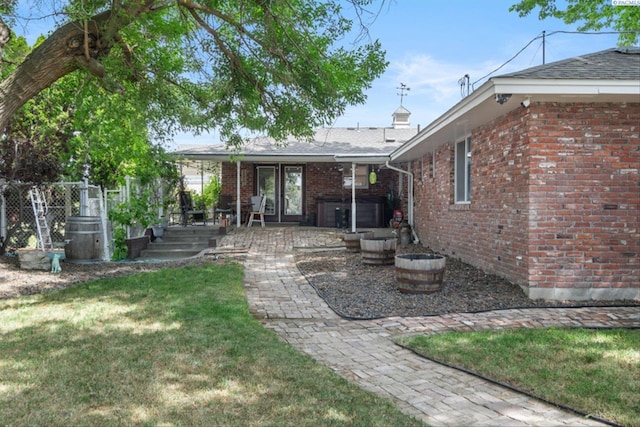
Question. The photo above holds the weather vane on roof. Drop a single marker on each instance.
(403, 87)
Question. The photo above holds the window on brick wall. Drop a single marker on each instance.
(463, 171)
(362, 176)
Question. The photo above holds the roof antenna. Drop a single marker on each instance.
(544, 47)
(403, 87)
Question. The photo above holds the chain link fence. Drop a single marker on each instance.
(18, 227)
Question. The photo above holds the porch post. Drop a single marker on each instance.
(353, 197)
(238, 203)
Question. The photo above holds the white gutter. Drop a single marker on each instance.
(410, 201)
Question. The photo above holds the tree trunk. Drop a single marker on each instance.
(63, 53)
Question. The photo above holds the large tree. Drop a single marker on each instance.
(72, 125)
(593, 15)
(273, 66)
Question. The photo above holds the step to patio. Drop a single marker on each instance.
(180, 242)
(169, 253)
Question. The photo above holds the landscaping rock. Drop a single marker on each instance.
(34, 260)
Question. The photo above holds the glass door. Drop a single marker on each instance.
(292, 204)
(267, 187)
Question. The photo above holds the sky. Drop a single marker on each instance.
(432, 44)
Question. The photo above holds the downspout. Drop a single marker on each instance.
(410, 201)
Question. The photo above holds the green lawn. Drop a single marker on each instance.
(172, 347)
(594, 371)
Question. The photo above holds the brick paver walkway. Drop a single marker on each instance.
(363, 351)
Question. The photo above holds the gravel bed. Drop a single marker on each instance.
(359, 291)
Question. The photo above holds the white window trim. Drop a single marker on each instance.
(466, 172)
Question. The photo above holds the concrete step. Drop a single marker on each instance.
(181, 242)
(170, 253)
(173, 244)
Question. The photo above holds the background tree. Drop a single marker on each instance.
(595, 15)
(42, 141)
(34, 138)
(273, 66)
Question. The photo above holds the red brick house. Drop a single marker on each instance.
(310, 183)
(535, 176)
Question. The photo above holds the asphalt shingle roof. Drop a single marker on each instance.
(612, 64)
(327, 141)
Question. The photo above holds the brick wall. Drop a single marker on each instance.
(490, 232)
(322, 180)
(585, 201)
(229, 178)
(555, 201)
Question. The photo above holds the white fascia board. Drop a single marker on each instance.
(267, 158)
(364, 158)
(293, 158)
(566, 87)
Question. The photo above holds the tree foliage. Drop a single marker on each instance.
(269, 66)
(33, 140)
(594, 15)
(73, 127)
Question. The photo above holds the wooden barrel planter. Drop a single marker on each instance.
(420, 273)
(378, 250)
(84, 234)
(352, 239)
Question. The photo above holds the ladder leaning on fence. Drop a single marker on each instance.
(40, 214)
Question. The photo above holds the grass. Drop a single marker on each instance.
(171, 347)
(594, 371)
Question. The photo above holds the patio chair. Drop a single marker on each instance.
(187, 210)
(258, 204)
(224, 207)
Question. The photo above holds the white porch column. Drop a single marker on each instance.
(238, 202)
(353, 197)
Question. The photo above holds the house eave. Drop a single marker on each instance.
(482, 107)
(566, 88)
(362, 159)
(260, 158)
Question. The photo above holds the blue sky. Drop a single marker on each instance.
(431, 44)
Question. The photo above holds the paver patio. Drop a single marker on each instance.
(363, 351)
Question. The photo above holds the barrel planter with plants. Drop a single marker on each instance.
(420, 273)
(352, 239)
(378, 250)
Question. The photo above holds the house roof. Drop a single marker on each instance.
(612, 75)
(365, 144)
(611, 64)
